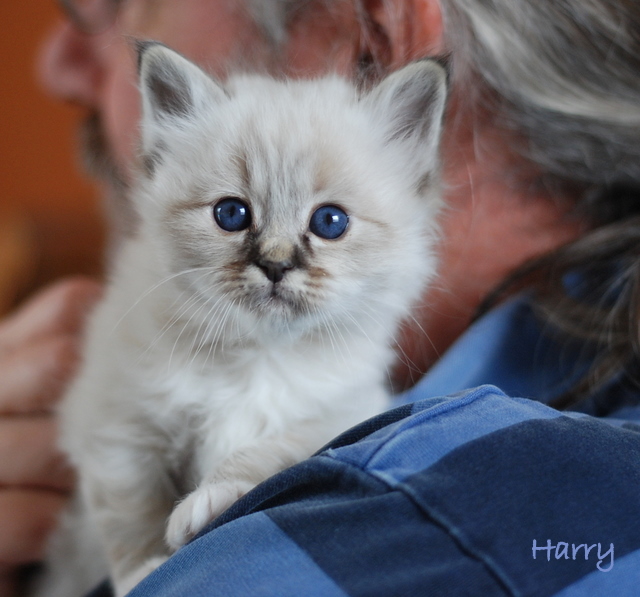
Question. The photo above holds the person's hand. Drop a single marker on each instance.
(39, 347)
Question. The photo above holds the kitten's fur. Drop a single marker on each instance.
(202, 377)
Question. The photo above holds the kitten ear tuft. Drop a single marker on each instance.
(173, 89)
(141, 46)
(412, 101)
(167, 81)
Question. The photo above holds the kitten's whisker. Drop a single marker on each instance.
(345, 343)
(215, 318)
(329, 326)
(210, 320)
(222, 324)
(403, 356)
(424, 333)
(155, 287)
(357, 324)
(165, 328)
(226, 316)
(184, 308)
(219, 319)
(184, 327)
(324, 331)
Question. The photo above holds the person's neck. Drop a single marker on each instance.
(489, 228)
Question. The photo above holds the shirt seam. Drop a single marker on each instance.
(492, 568)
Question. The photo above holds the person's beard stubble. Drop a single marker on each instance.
(99, 163)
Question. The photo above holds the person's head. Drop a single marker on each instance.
(90, 59)
(545, 96)
(560, 80)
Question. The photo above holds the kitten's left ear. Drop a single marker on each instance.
(173, 90)
(412, 102)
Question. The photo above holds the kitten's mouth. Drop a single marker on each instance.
(276, 291)
(280, 296)
(278, 300)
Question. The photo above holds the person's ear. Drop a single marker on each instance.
(401, 30)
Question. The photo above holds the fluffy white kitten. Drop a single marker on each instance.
(286, 229)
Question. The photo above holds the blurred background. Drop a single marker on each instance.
(50, 219)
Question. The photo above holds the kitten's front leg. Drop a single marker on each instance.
(240, 473)
(130, 498)
(201, 506)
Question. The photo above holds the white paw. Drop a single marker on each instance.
(124, 585)
(200, 507)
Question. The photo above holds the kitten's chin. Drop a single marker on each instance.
(280, 306)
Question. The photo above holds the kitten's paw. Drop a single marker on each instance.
(200, 507)
(125, 584)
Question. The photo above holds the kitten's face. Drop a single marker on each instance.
(286, 205)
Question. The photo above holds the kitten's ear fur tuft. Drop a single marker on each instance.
(173, 89)
(412, 101)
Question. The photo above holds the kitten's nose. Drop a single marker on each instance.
(274, 270)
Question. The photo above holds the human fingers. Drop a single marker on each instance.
(29, 457)
(27, 517)
(34, 375)
(59, 309)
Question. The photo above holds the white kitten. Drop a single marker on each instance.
(287, 228)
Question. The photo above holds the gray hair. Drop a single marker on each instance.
(564, 75)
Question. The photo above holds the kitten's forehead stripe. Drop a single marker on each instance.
(379, 223)
(278, 171)
(240, 160)
(150, 162)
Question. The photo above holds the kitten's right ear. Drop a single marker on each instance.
(412, 103)
(173, 90)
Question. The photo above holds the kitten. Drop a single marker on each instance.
(286, 229)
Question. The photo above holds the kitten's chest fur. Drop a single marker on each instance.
(199, 403)
(255, 392)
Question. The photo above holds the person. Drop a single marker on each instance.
(541, 171)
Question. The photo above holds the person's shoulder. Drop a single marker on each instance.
(477, 493)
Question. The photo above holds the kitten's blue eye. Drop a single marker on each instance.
(232, 214)
(329, 221)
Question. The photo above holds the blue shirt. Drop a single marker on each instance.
(455, 491)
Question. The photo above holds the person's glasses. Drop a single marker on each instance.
(91, 16)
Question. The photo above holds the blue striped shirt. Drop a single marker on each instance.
(455, 491)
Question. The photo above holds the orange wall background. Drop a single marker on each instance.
(42, 193)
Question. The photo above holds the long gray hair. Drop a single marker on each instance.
(562, 77)
(565, 75)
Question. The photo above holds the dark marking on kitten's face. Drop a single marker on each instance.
(154, 158)
(425, 183)
(242, 165)
(306, 243)
(236, 267)
(317, 277)
(150, 163)
(301, 257)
